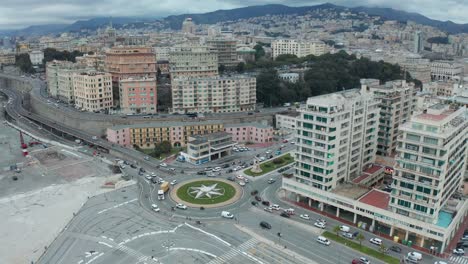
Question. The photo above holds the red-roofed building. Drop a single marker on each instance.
(376, 198)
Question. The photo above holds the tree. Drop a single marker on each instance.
(51, 54)
(221, 69)
(259, 51)
(336, 229)
(24, 63)
(382, 248)
(166, 147)
(240, 68)
(360, 237)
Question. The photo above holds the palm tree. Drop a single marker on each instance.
(360, 237)
(336, 229)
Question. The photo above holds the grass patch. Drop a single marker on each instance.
(271, 165)
(363, 249)
(183, 194)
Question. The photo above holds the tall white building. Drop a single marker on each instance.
(299, 48)
(93, 91)
(213, 94)
(36, 57)
(193, 61)
(446, 70)
(431, 162)
(336, 138)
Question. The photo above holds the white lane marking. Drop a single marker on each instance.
(116, 206)
(209, 234)
(79, 262)
(252, 257)
(194, 250)
(105, 244)
(96, 257)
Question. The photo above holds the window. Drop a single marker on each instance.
(404, 203)
(432, 141)
(410, 156)
(428, 161)
(413, 137)
(407, 185)
(431, 151)
(412, 147)
(420, 208)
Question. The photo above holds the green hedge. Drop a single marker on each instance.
(271, 165)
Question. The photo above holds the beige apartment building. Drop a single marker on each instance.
(214, 94)
(129, 61)
(7, 58)
(59, 71)
(93, 91)
(138, 95)
(226, 49)
(193, 61)
(300, 48)
(95, 61)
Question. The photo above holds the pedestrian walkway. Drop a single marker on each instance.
(460, 260)
(234, 252)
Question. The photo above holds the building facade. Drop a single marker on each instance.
(250, 132)
(7, 58)
(214, 94)
(286, 122)
(138, 95)
(398, 101)
(52, 75)
(226, 49)
(298, 47)
(202, 149)
(193, 61)
(93, 91)
(446, 70)
(36, 57)
(291, 77)
(188, 26)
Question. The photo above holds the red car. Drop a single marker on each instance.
(285, 141)
(356, 261)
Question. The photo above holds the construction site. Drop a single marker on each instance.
(40, 178)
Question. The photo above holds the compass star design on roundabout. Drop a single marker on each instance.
(206, 191)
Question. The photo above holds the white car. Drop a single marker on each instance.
(181, 206)
(319, 225)
(163, 164)
(305, 216)
(246, 180)
(216, 169)
(323, 240)
(458, 251)
(321, 221)
(440, 262)
(148, 177)
(268, 209)
(241, 183)
(155, 207)
(240, 177)
(173, 182)
(364, 260)
(376, 241)
(275, 207)
(268, 152)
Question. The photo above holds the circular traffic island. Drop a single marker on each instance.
(207, 193)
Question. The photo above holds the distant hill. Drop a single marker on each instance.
(38, 30)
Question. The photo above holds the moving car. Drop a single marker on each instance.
(289, 211)
(376, 241)
(415, 255)
(268, 209)
(363, 260)
(227, 214)
(395, 249)
(323, 240)
(271, 180)
(240, 177)
(275, 207)
(216, 169)
(319, 225)
(344, 228)
(267, 203)
(305, 216)
(265, 225)
(241, 183)
(347, 235)
(284, 214)
(155, 207)
(163, 164)
(181, 206)
(258, 198)
(201, 173)
(458, 251)
(231, 178)
(173, 182)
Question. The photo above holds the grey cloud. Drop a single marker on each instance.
(21, 13)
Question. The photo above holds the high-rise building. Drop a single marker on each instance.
(193, 61)
(188, 26)
(446, 70)
(398, 101)
(52, 74)
(138, 95)
(36, 57)
(336, 138)
(93, 91)
(227, 50)
(431, 163)
(128, 61)
(298, 47)
(418, 42)
(213, 94)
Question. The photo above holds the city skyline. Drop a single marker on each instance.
(57, 11)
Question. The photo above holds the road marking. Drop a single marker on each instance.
(105, 244)
(194, 250)
(461, 259)
(93, 259)
(117, 206)
(209, 234)
(252, 258)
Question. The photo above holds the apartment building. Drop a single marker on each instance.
(52, 75)
(446, 70)
(146, 135)
(202, 149)
(193, 61)
(7, 58)
(36, 57)
(418, 67)
(286, 121)
(441, 88)
(93, 91)
(66, 89)
(398, 101)
(226, 49)
(129, 61)
(300, 48)
(214, 94)
(95, 61)
(138, 95)
(188, 26)
(250, 132)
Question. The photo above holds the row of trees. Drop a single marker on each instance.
(53, 54)
(23, 62)
(326, 74)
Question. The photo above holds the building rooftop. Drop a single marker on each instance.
(350, 191)
(373, 169)
(198, 139)
(376, 198)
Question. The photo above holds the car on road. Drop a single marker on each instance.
(208, 169)
(344, 228)
(268, 209)
(172, 169)
(271, 180)
(174, 182)
(275, 207)
(227, 214)
(284, 214)
(258, 198)
(181, 206)
(285, 141)
(148, 177)
(347, 235)
(163, 164)
(440, 262)
(216, 169)
(133, 166)
(364, 260)
(225, 166)
(211, 175)
(376, 241)
(323, 240)
(305, 216)
(395, 249)
(155, 207)
(245, 180)
(265, 225)
(142, 169)
(241, 183)
(268, 152)
(458, 251)
(319, 225)
(231, 178)
(240, 177)
(321, 221)
(254, 203)
(289, 211)
(146, 158)
(267, 203)
(414, 256)
(201, 173)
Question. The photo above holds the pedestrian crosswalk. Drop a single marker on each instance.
(459, 260)
(234, 252)
(140, 257)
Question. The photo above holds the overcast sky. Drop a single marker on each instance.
(22, 13)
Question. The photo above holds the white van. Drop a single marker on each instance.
(415, 256)
(344, 228)
(227, 214)
(323, 240)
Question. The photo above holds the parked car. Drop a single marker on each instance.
(163, 164)
(305, 216)
(231, 178)
(268, 209)
(395, 249)
(267, 203)
(201, 173)
(347, 235)
(265, 225)
(241, 183)
(226, 166)
(376, 241)
(284, 214)
(133, 166)
(319, 225)
(364, 260)
(258, 198)
(254, 203)
(275, 207)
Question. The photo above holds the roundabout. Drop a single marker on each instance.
(206, 192)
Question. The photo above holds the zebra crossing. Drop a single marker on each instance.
(459, 260)
(140, 257)
(234, 252)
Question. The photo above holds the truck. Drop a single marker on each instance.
(164, 187)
